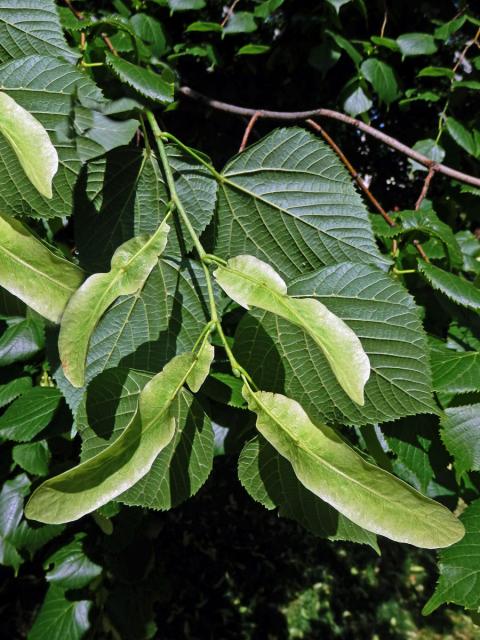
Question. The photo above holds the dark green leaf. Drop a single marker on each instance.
(240, 22)
(461, 135)
(70, 567)
(455, 371)
(149, 84)
(456, 288)
(22, 340)
(33, 457)
(13, 389)
(460, 433)
(60, 618)
(27, 416)
(382, 78)
(416, 44)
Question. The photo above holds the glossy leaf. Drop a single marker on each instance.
(61, 617)
(11, 509)
(357, 102)
(460, 434)
(31, 144)
(70, 568)
(458, 289)
(382, 78)
(147, 83)
(460, 567)
(461, 135)
(253, 283)
(367, 495)
(131, 265)
(29, 270)
(416, 44)
(270, 480)
(98, 480)
(281, 357)
(28, 415)
(11, 390)
(289, 201)
(21, 340)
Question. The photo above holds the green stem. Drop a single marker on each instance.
(194, 154)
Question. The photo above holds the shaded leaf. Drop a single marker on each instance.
(33, 457)
(69, 567)
(382, 78)
(13, 389)
(455, 371)
(416, 44)
(454, 287)
(21, 340)
(60, 618)
(461, 135)
(357, 102)
(240, 22)
(460, 434)
(148, 83)
(28, 415)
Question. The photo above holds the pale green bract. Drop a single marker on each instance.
(96, 481)
(131, 265)
(31, 143)
(30, 271)
(364, 493)
(253, 283)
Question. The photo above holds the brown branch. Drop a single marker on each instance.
(419, 248)
(229, 13)
(109, 44)
(352, 171)
(79, 16)
(335, 115)
(248, 130)
(76, 13)
(425, 187)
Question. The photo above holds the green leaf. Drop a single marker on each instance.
(444, 31)
(455, 371)
(185, 5)
(111, 472)
(23, 339)
(149, 84)
(204, 27)
(461, 135)
(151, 31)
(460, 431)
(179, 470)
(338, 4)
(33, 457)
(199, 373)
(357, 102)
(388, 43)
(69, 567)
(429, 148)
(458, 289)
(281, 357)
(460, 567)
(48, 89)
(11, 510)
(288, 200)
(253, 283)
(27, 416)
(253, 49)
(347, 46)
(29, 270)
(470, 247)
(416, 44)
(106, 133)
(31, 539)
(13, 389)
(60, 617)
(270, 480)
(382, 78)
(435, 72)
(131, 265)
(427, 221)
(329, 468)
(31, 144)
(32, 27)
(240, 22)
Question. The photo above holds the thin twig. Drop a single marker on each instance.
(335, 115)
(425, 187)
(76, 13)
(352, 171)
(420, 250)
(79, 16)
(109, 44)
(229, 13)
(248, 130)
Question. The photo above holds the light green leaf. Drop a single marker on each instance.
(447, 29)
(416, 44)
(270, 480)
(251, 282)
(460, 434)
(198, 375)
(461, 135)
(288, 200)
(382, 78)
(429, 148)
(131, 265)
(33, 273)
(13, 389)
(48, 89)
(202, 26)
(357, 102)
(456, 288)
(388, 43)
(253, 50)
(240, 22)
(329, 468)
(283, 358)
(435, 72)
(31, 144)
(455, 371)
(96, 481)
(179, 470)
(60, 617)
(32, 27)
(28, 415)
(460, 567)
(69, 567)
(146, 82)
(33, 457)
(185, 5)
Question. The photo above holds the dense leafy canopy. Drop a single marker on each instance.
(277, 318)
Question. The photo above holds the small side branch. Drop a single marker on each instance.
(293, 116)
(425, 187)
(248, 130)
